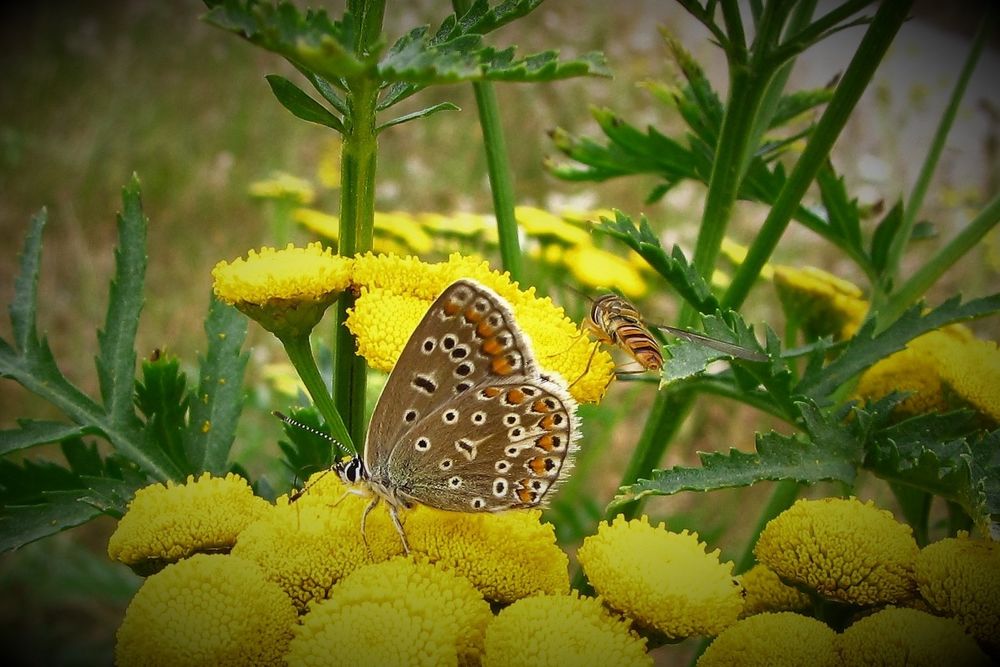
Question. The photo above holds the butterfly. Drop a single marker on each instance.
(467, 420)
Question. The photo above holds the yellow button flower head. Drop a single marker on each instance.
(960, 577)
(907, 638)
(462, 225)
(308, 546)
(663, 580)
(544, 225)
(206, 610)
(397, 291)
(507, 555)
(766, 592)
(286, 291)
(285, 186)
(783, 639)
(970, 369)
(825, 304)
(843, 549)
(399, 612)
(165, 523)
(598, 268)
(556, 630)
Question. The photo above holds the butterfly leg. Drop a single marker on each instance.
(586, 369)
(364, 519)
(394, 513)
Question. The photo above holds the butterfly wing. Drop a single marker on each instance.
(466, 421)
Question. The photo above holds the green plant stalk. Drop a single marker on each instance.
(300, 354)
(782, 497)
(357, 223)
(879, 36)
(944, 259)
(665, 418)
(916, 198)
(498, 168)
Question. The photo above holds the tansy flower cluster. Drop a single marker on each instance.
(299, 584)
(288, 290)
(941, 370)
(559, 240)
(854, 565)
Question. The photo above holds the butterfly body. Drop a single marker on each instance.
(467, 420)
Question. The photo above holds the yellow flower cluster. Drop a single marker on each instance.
(941, 370)
(907, 638)
(960, 577)
(665, 581)
(284, 186)
(843, 550)
(166, 523)
(780, 639)
(765, 592)
(287, 292)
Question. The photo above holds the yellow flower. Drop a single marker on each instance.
(394, 613)
(825, 304)
(206, 610)
(467, 225)
(165, 523)
(842, 549)
(310, 544)
(783, 639)
(396, 292)
(506, 555)
(599, 268)
(282, 185)
(542, 224)
(942, 370)
(561, 630)
(286, 291)
(960, 577)
(766, 592)
(737, 254)
(283, 379)
(661, 579)
(908, 638)
(406, 229)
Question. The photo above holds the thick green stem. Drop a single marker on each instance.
(300, 354)
(919, 282)
(916, 199)
(664, 420)
(498, 167)
(357, 220)
(875, 43)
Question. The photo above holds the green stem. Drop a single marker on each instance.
(357, 223)
(919, 282)
(883, 28)
(498, 167)
(664, 420)
(916, 199)
(782, 497)
(300, 354)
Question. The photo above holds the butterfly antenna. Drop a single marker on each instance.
(315, 431)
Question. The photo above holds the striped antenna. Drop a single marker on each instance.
(315, 431)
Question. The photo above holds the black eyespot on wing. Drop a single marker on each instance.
(424, 384)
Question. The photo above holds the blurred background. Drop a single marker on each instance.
(94, 91)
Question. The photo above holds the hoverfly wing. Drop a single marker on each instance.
(722, 346)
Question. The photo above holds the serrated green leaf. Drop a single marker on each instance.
(865, 350)
(310, 40)
(842, 212)
(792, 105)
(982, 501)
(300, 104)
(163, 399)
(675, 268)
(219, 401)
(22, 524)
(24, 306)
(422, 113)
(33, 433)
(116, 357)
(884, 235)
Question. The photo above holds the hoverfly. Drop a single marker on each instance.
(614, 320)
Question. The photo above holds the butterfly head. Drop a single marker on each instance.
(351, 471)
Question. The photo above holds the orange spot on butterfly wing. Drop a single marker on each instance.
(514, 397)
(540, 406)
(451, 308)
(501, 366)
(491, 347)
(472, 315)
(485, 330)
(527, 496)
